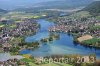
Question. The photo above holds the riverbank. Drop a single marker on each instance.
(58, 47)
(78, 25)
(62, 46)
(94, 42)
(51, 38)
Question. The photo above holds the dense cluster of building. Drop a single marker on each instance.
(59, 28)
(81, 26)
(14, 29)
(12, 62)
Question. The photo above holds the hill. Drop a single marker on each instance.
(93, 8)
(2, 11)
(60, 4)
(65, 4)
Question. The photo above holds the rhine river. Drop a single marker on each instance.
(62, 46)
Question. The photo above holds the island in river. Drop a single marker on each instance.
(62, 46)
(32, 45)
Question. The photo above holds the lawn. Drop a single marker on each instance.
(2, 25)
(13, 26)
(31, 63)
(80, 14)
(91, 41)
(98, 17)
(50, 64)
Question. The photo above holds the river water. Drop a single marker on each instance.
(62, 46)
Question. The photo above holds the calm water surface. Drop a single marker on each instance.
(62, 46)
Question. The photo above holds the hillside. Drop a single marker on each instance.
(3, 11)
(65, 4)
(60, 4)
(93, 8)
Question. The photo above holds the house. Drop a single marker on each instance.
(6, 47)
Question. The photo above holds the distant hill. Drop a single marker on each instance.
(93, 8)
(64, 4)
(2, 11)
(60, 4)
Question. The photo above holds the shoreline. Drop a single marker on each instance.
(76, 41)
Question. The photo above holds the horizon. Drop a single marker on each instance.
(13, 4)
(9, 4)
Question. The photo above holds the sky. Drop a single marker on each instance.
(9, 4)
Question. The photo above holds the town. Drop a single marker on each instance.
(68, 30)
(78, 27)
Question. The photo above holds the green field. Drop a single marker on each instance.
(31, 63)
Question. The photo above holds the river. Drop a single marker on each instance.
(62, 46)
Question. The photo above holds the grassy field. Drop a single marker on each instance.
(80, 14)
(98, 17)
(2, 25)
(31, 63)
(49, 64)
(93, 41)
